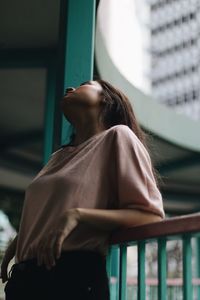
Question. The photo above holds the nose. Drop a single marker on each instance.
(69, 89)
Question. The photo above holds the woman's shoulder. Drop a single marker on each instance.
(122, 129)
(119, 132)
(125, 133)
(125, 136)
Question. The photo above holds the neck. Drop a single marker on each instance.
(82, 134)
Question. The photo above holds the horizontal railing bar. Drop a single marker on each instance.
(154, 281)
(169, 226)
(155, 239)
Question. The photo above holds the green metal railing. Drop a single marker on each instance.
(182, 228)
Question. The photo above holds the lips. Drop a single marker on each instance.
(67, 94)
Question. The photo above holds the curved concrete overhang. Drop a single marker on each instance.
(158, 118)
(176, 140)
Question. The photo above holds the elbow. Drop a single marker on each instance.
(150, 217)
(157, 218)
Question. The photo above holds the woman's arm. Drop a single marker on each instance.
(111, 219)
(102, 219)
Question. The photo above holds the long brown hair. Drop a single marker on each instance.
(117, 109)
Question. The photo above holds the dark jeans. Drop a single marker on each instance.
(77, 275)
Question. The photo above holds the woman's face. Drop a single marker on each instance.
(87, 95)
(82, 103)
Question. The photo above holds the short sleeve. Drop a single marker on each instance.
(136, 185)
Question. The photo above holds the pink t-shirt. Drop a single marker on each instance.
(110, 170)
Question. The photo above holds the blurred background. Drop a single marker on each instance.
(148, 48)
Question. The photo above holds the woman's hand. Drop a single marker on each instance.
(9, 254)
(50, 247)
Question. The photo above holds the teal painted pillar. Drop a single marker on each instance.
(77, 32)
(49, 111)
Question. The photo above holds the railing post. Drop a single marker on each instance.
(175, 228)
(187, 267)
(122, 272)
(49, 111)
(162, 272)
(141, 270)
(108, 261)
(112, 266)
(197, 263)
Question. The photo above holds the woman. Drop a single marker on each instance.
(101, 181)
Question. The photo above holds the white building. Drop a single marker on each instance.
(174, 27)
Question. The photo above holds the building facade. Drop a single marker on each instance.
(174, 50)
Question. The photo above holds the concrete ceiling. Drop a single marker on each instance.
(28, 27)
(29, 24)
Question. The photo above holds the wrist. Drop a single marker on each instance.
(78, 213)
(74, 213)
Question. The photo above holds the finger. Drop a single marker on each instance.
(30, 251)
(58, 244)
(47, 250)
(51, 252)
(40, 253)
(49, 260)
(37, 257)
(59, 241)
